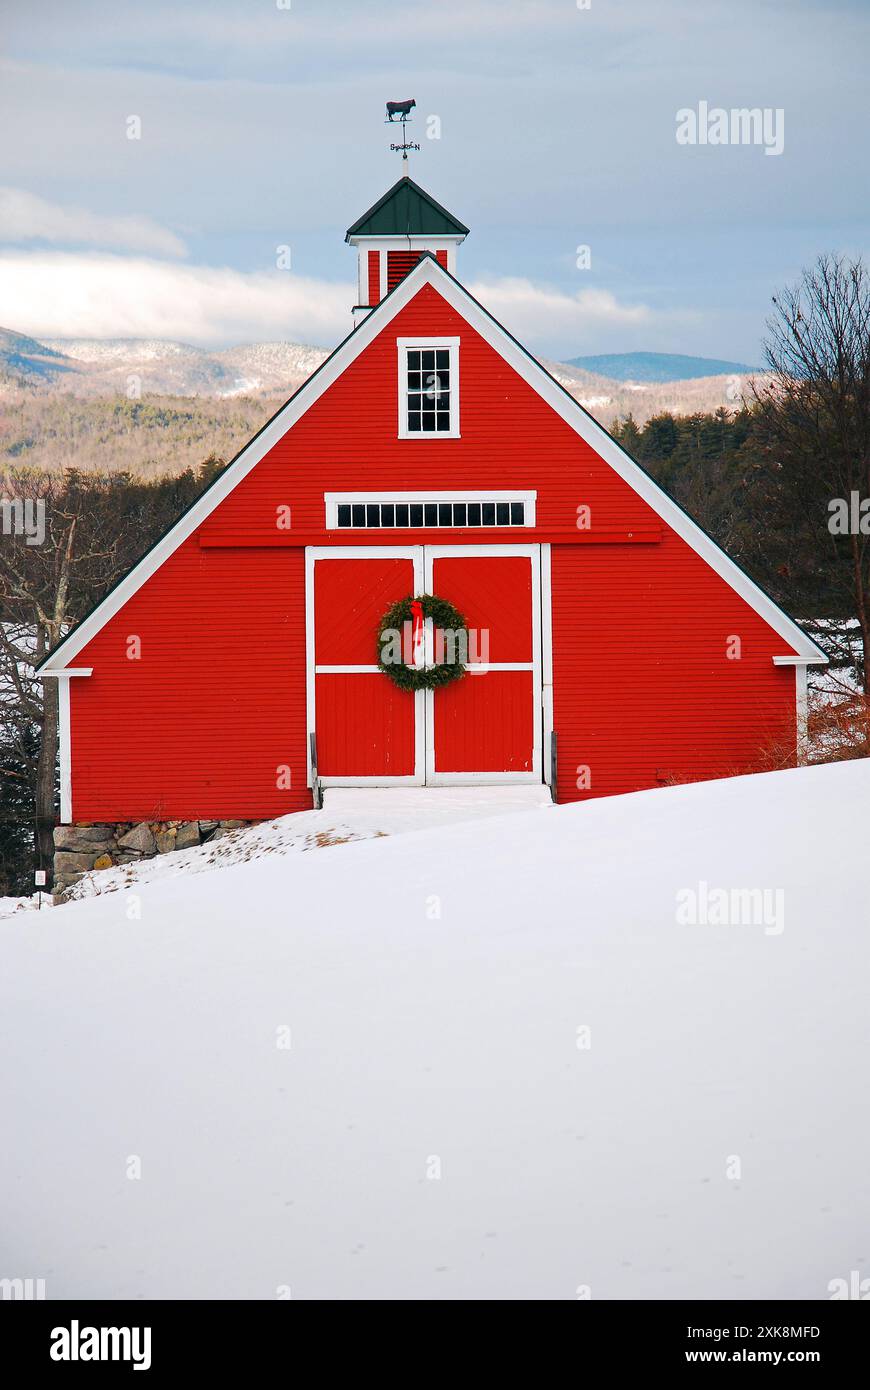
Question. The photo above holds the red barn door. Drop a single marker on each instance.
(484, 728)
(487, 727)
(367, 729)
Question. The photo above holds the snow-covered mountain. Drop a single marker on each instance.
(165, 367)
(94, 367)
(509, 1058)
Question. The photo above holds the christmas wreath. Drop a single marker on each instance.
(401, 650)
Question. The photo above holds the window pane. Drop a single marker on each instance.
(474, 513)
(416, 510)
(518, 513)
(413, 420)
(373, 514)
(402, 514)
(413, 360)
(358, 513)
(428, 421)
(442, 357)
(388, 514)
(443, 420)
(445, 514)
(344, 515)
(459, 514)
(502, 513)
(427, 358)
(489, 513)
(431, 514)
(415, 381)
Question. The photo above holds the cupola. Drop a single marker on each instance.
(392, 236)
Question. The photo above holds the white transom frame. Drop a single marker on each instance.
(332, 501)
(422, 558)
(425, 344)
(540, 706)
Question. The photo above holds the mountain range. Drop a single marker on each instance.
(659, 366)
(152, 405)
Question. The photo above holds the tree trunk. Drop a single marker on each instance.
(45, 778)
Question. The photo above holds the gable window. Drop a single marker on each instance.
(428, 388)
(442, 510)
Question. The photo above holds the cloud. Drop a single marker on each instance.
(64, 295)
(26, 217)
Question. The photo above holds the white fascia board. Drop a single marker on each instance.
(274, 430)
(607, 448)
(800, 661)
(428, 271)
(69, 671)
(406, 243)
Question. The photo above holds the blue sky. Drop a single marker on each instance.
(262, 126)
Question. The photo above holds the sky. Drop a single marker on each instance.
(546, 126)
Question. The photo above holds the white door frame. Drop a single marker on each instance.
(422, 558)
(455, 779)
(313, 553)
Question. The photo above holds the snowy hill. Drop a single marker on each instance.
(487, 1060)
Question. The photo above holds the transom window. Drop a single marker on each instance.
(428, 388)
(367, 512)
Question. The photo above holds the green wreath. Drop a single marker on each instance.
(443, 616)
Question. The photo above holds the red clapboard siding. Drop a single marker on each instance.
(643, 690)
(374, 277)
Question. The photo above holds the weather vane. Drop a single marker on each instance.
(403, 110)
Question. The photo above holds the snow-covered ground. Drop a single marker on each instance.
(484, 1060)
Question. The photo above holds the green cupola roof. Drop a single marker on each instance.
(406, 209)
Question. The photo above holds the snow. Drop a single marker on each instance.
(354, 813)
(434, 984)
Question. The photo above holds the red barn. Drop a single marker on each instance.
(618, 646)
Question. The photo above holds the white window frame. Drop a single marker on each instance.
(332, 500)
(404, 345)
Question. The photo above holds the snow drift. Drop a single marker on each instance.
(487, 1060)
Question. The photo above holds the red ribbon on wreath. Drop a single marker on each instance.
(418, 656)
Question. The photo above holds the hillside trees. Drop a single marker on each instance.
(93, 529)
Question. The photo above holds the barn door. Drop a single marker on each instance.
(487, 727)
(368, 731)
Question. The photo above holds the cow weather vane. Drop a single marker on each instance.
(402, 110)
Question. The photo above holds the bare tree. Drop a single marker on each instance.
(814, 420)
(47, 576)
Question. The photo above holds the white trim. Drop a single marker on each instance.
(332, 501)
(800, 661)
(70, 671)
(434, 778)
(429, 272)
(64, 737)
(399, 242)
(546, 658)
(423, 344)
(313, 553)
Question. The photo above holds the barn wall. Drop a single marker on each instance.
(643, 691)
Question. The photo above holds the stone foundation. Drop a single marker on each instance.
(80, 848)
